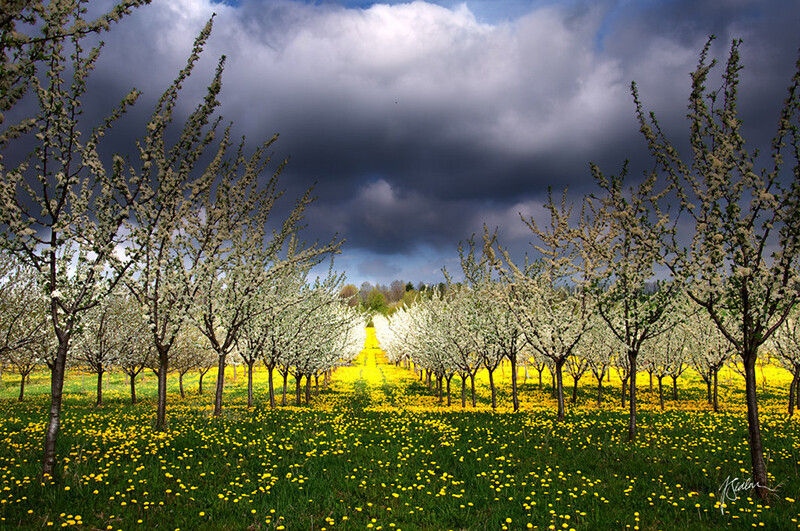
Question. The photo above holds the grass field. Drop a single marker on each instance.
(376, 451)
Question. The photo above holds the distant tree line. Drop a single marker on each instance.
(386, 300)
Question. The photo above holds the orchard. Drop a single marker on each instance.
(174, 354)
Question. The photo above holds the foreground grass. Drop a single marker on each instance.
(377, 451)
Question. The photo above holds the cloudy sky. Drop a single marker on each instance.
(420, 122)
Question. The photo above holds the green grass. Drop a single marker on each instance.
(345, 463)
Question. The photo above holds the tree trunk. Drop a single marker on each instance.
(325, 381)
(308, 388)
(541, 370)
(708, 390)
(285, 383)
(463, 391)
(439, 390)
(514, 390)
(100, 385)
(754, 427)
(793, 389)
(161, 408)
(632, 398)
(133, 389)
(180, 385)
(270, 369)
(715, 402)
(600, 390)
(250, 383)
(560, 388)
(575, 389)
(220, 385)
(624, 390)
(449, 398)
(200, 383)
(674, 387)
(491, 386)
(651, 381)
(54, 419)
(472, 387)
(22, 388)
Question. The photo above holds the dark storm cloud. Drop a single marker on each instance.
(421, 122)
(377, 268)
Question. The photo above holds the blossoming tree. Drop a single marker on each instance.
(549, 297)
(624, 236)
(742, 262)
(61, 207)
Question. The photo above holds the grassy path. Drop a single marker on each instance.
(373, 383)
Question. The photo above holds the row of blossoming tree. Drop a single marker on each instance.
(699, 260)
(136, 259)
(301, 329)
(459, 334)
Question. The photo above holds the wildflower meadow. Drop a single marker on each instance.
(376, 450)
